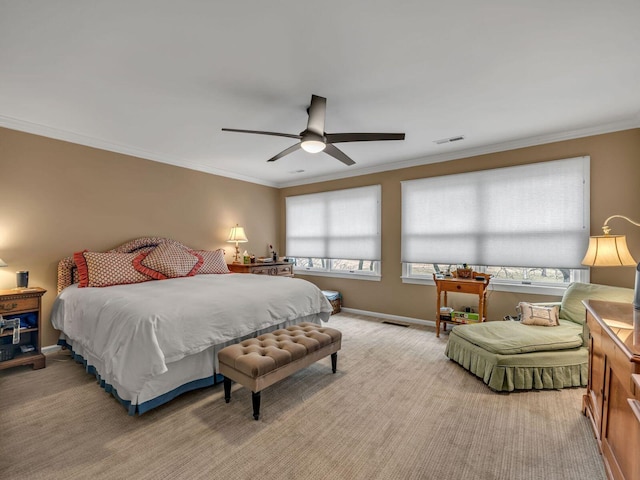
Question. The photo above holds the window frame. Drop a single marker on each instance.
(373, 275)
(503, 285)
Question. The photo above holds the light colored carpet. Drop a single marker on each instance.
(396, 409)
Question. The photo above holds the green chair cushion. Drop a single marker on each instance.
(572, 308)
(508, 338)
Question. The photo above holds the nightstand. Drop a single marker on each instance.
(280, 269)
(26, 304)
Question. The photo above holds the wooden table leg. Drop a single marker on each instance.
(438, 315)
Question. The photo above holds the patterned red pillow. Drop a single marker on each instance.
(168, 261)
(97, 269)
(214, 261)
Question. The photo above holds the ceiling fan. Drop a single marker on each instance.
(314, 139)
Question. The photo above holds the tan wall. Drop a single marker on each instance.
(58, 198)
(615, 189)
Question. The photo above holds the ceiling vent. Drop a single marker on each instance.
(449, 140)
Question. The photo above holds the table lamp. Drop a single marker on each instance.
(237, 235)
(611, 251)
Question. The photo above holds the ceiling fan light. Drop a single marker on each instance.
(312, 146)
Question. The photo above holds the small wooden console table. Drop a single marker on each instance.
(461, 285)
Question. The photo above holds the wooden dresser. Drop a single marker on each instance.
(612, 394)
(281, 269)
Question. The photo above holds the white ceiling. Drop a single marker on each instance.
(159, 79)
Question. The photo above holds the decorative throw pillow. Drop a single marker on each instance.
(168, 261)
(538, 315)
(97, 269)
(214, 261)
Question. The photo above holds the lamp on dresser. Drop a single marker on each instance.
(237, 235)
(611, 251)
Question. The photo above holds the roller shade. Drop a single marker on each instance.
(534, 215)
(337, 224)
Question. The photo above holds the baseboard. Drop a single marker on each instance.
(386, 316)
(50, 349)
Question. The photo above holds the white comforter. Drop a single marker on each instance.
(131, 332)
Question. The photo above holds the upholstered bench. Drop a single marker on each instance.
(259, 362)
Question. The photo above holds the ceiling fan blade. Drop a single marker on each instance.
(362, 137)
(317, 111)
(289, 150)
(275, 134)
(339, 154)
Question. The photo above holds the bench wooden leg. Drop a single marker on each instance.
(227, 389)
(334, 361)
(255, 397)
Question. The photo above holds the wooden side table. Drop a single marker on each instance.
(15, 303)
(280, 269)
(461, 285)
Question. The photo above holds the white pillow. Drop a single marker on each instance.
(538, 315)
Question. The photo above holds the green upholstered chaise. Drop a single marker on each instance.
(511, 356)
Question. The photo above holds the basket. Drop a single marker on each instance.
(336, 304)
(7, 352)
(335, 299)
(464, 272)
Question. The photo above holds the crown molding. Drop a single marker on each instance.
(626, 124)
(58, 134)
(66, 136)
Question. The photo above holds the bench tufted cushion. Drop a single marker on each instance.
(257, 356)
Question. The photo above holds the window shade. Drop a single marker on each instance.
(338, 224)
(533, 215)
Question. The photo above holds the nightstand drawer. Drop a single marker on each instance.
(18, 305)
(279, 269)
(285, 270)
(264, 270)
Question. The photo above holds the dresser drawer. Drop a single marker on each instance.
(18, 305)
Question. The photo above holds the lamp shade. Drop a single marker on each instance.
(3, 263)
(237, 235)
(608, 251)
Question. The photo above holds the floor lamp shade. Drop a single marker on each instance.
(608, 251)
(612, 251)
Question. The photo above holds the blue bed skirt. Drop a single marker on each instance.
(149, 404)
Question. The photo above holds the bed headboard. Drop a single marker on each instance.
(67, 272)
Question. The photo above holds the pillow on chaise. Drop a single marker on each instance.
(545, 316)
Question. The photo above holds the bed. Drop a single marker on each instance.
(151, 339)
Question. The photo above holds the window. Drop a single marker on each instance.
(335, 233)
(504, 276)
(335, 267)
(525, 225)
